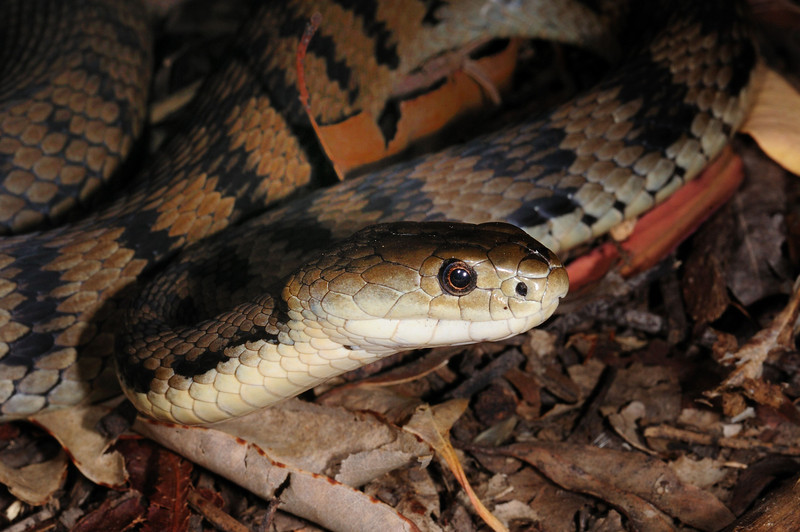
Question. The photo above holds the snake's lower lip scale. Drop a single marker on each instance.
(606, 156)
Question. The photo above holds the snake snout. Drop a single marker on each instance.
(539, 283)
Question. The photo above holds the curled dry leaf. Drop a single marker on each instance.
(774, 118)
(655, 388)
(76, 431)
(626, 424)
(290, 465)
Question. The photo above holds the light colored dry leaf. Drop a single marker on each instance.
(705, 420)
(359, 468)
(515, 510)
(312, 496)
(774, 120)
(319, 439)
(35, 484)
(703, 473)
(433, 424)
(75, 429)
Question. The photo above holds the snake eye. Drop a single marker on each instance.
(457, 277)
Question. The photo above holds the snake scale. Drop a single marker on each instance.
(218, 330)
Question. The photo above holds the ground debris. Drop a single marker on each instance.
(662, 402)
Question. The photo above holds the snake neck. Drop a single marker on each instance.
(257, 354)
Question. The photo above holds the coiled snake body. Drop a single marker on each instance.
(566, 178)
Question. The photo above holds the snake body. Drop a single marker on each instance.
(72, 102)
(604, 157)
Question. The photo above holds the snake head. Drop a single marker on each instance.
(388, 288)
(403, 286)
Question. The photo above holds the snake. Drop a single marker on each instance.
(204, 300)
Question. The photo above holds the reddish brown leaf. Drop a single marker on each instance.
(122, 513)
(169, 505)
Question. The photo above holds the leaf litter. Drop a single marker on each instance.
(661, 402)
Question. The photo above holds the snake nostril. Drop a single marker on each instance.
(522, 289)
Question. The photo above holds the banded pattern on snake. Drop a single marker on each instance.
(566, 178)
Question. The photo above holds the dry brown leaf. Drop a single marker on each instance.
(773, 121)
(35, 484)
(756, 265)
(645, 489)
(392, 406)
(626, 424)
(655, 387)
(516, 510)
(273, 471)
(415, 493)
(433, 424)
(705, 291)
(119, 513)
(781, 13)
(779, 512)
(749, 360)
(555, 509)
(75, 429)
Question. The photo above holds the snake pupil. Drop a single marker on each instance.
(457, 277)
